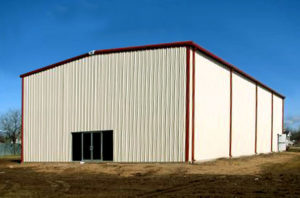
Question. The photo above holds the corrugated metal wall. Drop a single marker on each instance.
(140, 95)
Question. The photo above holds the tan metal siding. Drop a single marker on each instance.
(140, 95)
(212, 97)
(263, 120)
(277, 121)
(243, 116)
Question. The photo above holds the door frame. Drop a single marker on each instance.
(82, 142)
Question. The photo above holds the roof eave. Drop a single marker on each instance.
(156, 46)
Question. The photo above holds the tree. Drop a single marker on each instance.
(296, 136)
(2, 138)
(10, 124)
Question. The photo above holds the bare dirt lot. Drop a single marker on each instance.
(272, 175)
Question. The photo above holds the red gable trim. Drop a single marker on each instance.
(106, 51)
(156, 46)
(54, 65)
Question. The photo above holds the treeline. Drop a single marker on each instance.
(295, 134)
(10, 126)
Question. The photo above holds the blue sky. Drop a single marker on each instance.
(260, 37)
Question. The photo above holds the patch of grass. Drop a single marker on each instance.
(291, 167)
(10, 157)
(294, 149)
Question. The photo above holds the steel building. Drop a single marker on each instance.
(173, 102)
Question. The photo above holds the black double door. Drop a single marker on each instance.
(92, 146)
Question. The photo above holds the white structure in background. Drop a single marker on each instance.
(288, 134)
(173, 102)
(282, 142)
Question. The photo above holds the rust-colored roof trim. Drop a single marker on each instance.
(156, 46)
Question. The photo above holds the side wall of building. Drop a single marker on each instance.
(277, 121)
(250, 118)
(243, 116)
(264, 120)
(212, 109)
(140, 95)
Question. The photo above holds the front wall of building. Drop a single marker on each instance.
(140, 95)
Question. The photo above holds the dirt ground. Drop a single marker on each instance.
(272, 175)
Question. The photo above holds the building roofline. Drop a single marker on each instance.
(156, 46)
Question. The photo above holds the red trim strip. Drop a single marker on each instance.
(272, 124)
(22, 123)
(187, 104)
(114, 50)
(193, 110)
(256, 96)
(146, 47)
(54, 65)
(230, 116)
(163, 45)
(235, 69)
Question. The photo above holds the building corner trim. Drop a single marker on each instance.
(193, 109)
(282, 116)
(22, 123)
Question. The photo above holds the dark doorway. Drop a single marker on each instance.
(76, 146)
(87, 146)
(107, 145)
(96, 145)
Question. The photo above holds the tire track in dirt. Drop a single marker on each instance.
(170, 189)
(59, 185)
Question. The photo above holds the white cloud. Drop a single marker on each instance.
(292, 121)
